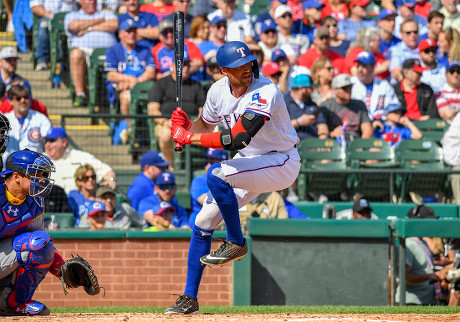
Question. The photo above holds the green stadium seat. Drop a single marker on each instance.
(97, 93)
(65, 220)
(432, 129)
(57, 32)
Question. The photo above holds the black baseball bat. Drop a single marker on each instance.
(179, 21)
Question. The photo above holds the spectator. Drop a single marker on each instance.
(435, 75)
(361, 210)
(448, 101)
(321, 49)
(165, 191)
(87, 29)
(288, 72)
(397, 127)
(340, 46)
(451, 152)
(160, 8)
(35, 105)
(283, 18)
(152, 164)
(127, 63)
(45, 10)
(8, 65)
(202, 7)
(297, 9)
(312, 17)
(199, 34)
(213, 71)
(435, 23)
(218, 32)
(269, 42)
(406, 10)
(449, 46)
(239, 26)
(267, 15)
(416, 98)
(146, 23)
(199, 188)
(28, 127)
(272, 71)
(304, 114)
(199, 30)
(96, 217)
(349, 27)
(386, 23)
(162, 101)
(377, 94)
(67, 161)
(322, 73)
(451, 14)
(183, 6)
(345, 116)
(420, 276)
(423, 7)
(336, 9)
(119, 216)
(406, 49)
(81, 199)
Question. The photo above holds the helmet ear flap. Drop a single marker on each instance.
(255, 68)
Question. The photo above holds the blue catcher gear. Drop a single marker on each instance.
(35, 255)
(4, 137)
(235, 54)
(37, 168)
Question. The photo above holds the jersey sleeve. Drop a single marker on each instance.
(209, 111)
(262, 101)
(111, 63)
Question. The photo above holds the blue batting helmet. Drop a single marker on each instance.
(235, 54)
(36, 167)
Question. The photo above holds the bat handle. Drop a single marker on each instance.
(178, 148)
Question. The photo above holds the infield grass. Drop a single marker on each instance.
(275, 309)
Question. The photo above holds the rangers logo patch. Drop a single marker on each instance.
(258, 98)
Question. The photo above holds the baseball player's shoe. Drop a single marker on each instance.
(184, 305)
(228, 251)
(29, 308)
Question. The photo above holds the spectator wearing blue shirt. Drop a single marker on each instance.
(199, 187)
(386, 23)
(162, 199)
(146, 23)
(348, 28)
(435, 25)
(312, 17)
(267, 15)
(152, 164)
(128, 63)
(435, 75)
(8, 65)
(406, 10)
(397, 127)
(80, 200)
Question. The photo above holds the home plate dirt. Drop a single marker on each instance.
(138, 317)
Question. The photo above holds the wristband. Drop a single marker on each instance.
(298, 121)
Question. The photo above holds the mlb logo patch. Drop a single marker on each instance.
(258, 98)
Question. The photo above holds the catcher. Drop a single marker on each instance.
(27, 251)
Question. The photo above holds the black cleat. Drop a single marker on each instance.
(228, 251)
(184, 305)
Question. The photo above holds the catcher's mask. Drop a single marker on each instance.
(4, 137)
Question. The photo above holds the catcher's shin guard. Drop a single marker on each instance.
(35, 254)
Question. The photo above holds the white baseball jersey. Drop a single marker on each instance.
(262, 98)
(30, 134)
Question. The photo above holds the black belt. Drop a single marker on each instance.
(295, 146)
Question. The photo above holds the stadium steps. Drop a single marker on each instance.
(7, 39)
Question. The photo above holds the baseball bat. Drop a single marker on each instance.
(178, 60)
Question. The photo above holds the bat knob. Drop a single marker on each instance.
(178, 148)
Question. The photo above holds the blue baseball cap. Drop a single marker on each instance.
(219, 154)
(165, 178)
(453, 63)
(280, 1)
(386, 13)
(218, 19)
(162, 207)
(366, 58)
(312, 4)
(393, 108)
(277, 54)
(154, 158)
(56, 132)
(96, 207)
(406, 3)
(127, 24)
(301, 80)
(268, 25)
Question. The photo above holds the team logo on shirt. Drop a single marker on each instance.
(256, 97)
(34, 134)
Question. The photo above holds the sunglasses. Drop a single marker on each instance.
(286, 15)
(51, 140)
(324, 38)
(411, 32)
(329, 26)
(221, 25)
(21, 97)
(166, 186)
(432, 50)
(347, 88)
(86, 178)
(329, 68)
(454, 70)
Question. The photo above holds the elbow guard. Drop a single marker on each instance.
(241, 134)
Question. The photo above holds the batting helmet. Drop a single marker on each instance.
(235, 54)
(4, 137)
(36, 167)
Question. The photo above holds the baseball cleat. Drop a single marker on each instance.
(228, 251)
(184, 305)
(29, 308)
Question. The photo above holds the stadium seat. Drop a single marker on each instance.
(64, 220)
(432, 129)
(97, 94)
(57, 36)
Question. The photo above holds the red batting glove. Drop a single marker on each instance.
(181, 135)
(180, 118)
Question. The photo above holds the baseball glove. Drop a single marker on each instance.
(77, 272)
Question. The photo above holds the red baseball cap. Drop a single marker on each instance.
(360, 3)
(427, 43)
(270, 69)
(414, 64)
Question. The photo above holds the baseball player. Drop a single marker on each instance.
(253, 114)
(27, 252)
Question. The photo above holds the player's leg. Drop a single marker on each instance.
(34, 255)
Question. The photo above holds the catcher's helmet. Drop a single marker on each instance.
(235, 54)
(36, 167)
(4, 137)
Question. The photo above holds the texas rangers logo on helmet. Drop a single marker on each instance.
(241, 51)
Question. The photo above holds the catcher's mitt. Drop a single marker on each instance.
(77, 272)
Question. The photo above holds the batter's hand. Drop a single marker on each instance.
(180, 118)
(181, 135)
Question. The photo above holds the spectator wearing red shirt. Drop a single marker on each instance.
(322, 49)
(335, 8)
(160, 8)
(296, 8)
(416, 97)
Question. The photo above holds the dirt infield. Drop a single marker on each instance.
(138, 317)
